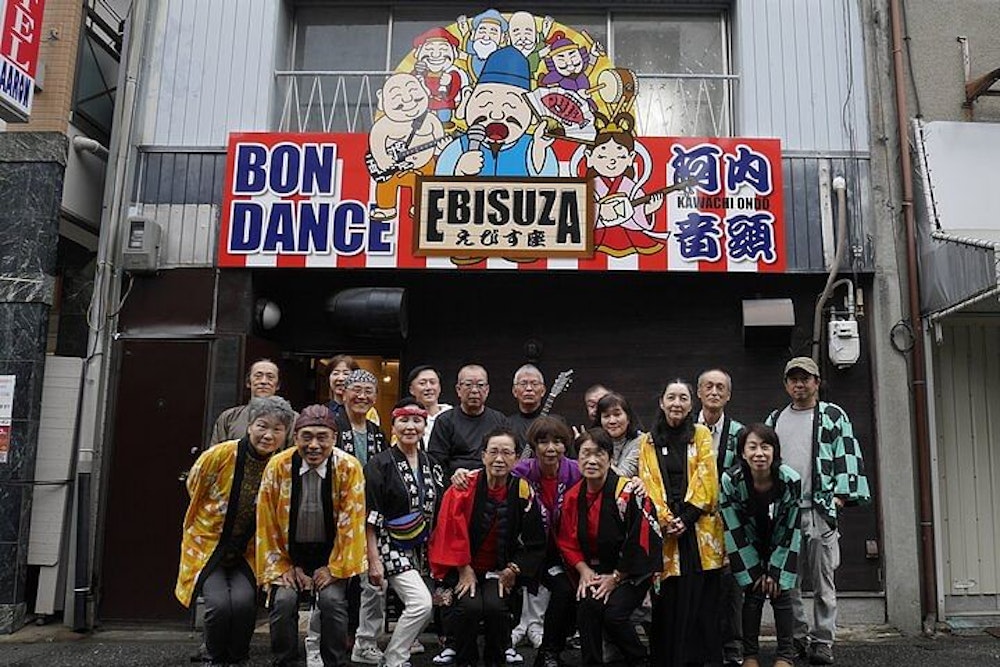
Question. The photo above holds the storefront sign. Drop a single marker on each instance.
(495, 217)
(19, 42)
(7, 383)
(300, 200)
(504, 141)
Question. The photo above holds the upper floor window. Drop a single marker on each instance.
(342, 55)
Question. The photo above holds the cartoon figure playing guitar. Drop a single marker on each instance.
(624, 211)
(402, 142)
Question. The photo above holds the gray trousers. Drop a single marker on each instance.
(230, 613)
(284, 619)
(371, 616)
(819, 558)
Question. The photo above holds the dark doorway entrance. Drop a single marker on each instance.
(158, 420)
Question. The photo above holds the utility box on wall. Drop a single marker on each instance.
(141, 249)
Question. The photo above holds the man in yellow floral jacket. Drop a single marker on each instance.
(311, 535)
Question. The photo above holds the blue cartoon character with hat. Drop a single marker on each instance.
(485, 36)
(498, 117)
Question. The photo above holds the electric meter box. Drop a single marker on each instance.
(141, 246)
(845, 344)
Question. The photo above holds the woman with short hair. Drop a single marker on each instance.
(489, 539)
(760, 507)
(218, 545)
(551, 474)
(614, 415)
(610, 541)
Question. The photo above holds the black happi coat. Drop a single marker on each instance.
(628, 534)
(391, 492)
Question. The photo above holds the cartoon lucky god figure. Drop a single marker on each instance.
(567, 63)
(526, 38)
(435, 52)
(498, 116)
(402, 141)
(487, 36)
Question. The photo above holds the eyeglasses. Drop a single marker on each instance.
(506, 453)
(361, 391)
(468, 384)
(524, 384)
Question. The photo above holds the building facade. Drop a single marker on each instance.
(953, 123)
(53, 160)
(221, 97)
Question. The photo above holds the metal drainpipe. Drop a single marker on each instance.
(918, 379)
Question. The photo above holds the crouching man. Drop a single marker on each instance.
(311, 535)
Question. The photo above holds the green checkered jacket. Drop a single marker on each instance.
(728, 444)
(838, 467)
(748, 557)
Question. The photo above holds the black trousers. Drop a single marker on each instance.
(686, 621)
(731, 617)
(560, 612)
(493, 611)
(596, 618)
(230, 612)
(784, 623)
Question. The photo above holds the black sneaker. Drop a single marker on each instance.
(820, 654)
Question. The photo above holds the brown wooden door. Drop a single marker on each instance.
(158, 418)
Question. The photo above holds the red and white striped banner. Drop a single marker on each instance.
(305, 201)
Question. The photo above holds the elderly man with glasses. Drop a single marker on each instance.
(457, 440)
(311, 535)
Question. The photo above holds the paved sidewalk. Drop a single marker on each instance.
(114, 646)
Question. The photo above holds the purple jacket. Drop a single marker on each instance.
(568, 475)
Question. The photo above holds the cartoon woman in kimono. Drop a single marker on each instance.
(624, 211)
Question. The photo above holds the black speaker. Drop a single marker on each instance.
(369, 312)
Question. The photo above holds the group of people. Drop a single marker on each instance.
(685, 530)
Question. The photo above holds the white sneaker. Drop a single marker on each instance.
(516, 636)
(445, 657)
(513, 657)
(416, 648)
(366, 655)
(535, 637)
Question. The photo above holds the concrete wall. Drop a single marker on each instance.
(935, 55)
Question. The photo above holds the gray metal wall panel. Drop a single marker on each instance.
(802, 77)
(209, 71)
(967, 377)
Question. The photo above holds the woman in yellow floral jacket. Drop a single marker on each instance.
(678, 467)
(217, 547)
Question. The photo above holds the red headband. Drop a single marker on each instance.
(411, 409)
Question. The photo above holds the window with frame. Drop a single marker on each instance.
(341, 56)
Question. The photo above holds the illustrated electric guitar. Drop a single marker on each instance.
(399, 152)
(561, 384)
(624, 208)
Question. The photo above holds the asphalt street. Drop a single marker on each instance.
(52, 646)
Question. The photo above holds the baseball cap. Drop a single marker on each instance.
(802, 363)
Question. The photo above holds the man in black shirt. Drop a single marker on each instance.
(528, 390)
(457, 439)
